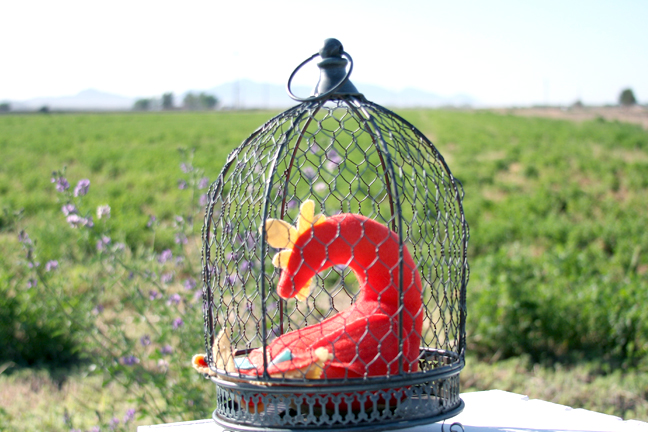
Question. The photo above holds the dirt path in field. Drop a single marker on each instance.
(636, 114)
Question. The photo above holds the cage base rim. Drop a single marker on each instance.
(377, 426)
(226, 380)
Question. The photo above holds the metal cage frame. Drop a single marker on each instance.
(389, 171)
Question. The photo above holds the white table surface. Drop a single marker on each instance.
(486, 411)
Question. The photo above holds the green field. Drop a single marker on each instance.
(558, 253)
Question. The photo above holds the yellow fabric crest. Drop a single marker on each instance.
(281, 235)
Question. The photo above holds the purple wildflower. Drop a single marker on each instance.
(186, 168)
(103, 243)
(165, 256)
(182, 184)
(203, 200)
(61, 184)
(179, 260)
(75, 220)
(114, 422)
(31, 283)
(23, 238)
(145, 340)
(245, 266)
(189, 284)
(129, 360)
(154, 295)
(334, 160)
(51, 265)
(309, 173)
(232, 256)
(250, 241)
(95, 429)
(97, 309)
(319, 187)
(82, 187)
(203, 183)
(177, 323)
(33, 264)
(151, 221)
(119, 247)
(181, 238)
(163, 365)
(198, 295)
(69, 209)
(103, 211)
(230, 279)
(174, 299)
(314, 148)
(130, 415)
(166, 278)
(166, 350)
(292, 204)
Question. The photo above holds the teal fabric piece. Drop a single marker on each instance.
(283, 356)
(243, 363)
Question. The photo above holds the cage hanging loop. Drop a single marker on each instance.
(332, 66)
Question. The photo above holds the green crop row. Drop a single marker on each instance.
(558, 248)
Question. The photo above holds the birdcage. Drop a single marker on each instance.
(334, 269)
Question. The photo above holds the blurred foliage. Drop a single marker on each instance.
(558, 248)
(142, 104)
(167, 101)
(201, 101)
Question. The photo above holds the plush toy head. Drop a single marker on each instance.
(369, 248)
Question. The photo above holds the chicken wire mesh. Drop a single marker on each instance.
(354, 318)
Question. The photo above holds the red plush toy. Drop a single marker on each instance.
(360, 341)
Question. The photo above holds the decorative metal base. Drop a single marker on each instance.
(377, 403)
(393, 425)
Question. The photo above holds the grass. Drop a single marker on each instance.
(558, 248)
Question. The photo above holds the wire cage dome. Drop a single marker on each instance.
(334, 269)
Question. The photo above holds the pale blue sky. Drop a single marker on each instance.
(499, 52)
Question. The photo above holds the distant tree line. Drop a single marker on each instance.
(192, 102)
(627, 98)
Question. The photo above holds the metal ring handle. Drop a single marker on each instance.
(325, 94)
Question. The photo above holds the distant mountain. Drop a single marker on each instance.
(412, 98)
(85, 100)
(249, 94)
(244, 94)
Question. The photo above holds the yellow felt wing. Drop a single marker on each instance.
(306, 216)
(280, 260)
(280, 234)
(318, 219)
(303, 293)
